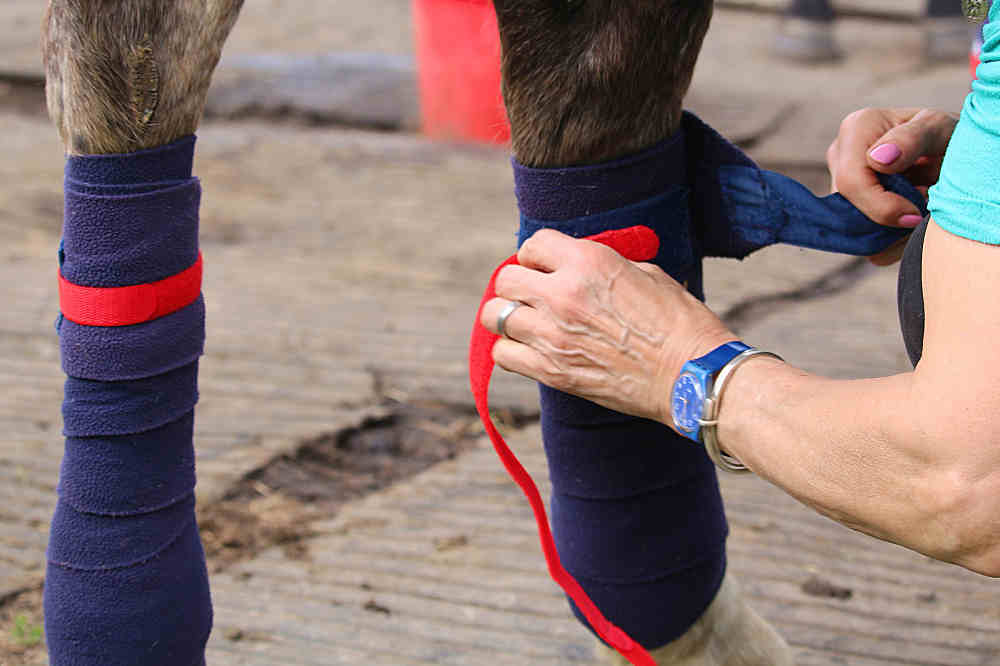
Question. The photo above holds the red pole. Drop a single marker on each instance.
(458, 70)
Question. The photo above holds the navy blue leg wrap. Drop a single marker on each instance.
(126, 581)
(637, 516)
(635, 508)
(636, 511)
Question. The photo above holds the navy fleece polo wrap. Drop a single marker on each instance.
(636, 511)
(126, 581)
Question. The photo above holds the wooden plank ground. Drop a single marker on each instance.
(446, 569)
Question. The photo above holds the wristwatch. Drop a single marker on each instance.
(693, 388)
(694, 401)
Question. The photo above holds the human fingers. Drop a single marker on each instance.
(519, 324)
(526, 360)
(519, 283)
(514, 356)
(921, 143)
(546, 250)
(549, 250)
(924, 173)
(855, 178)
(580, 372)
(923, 137)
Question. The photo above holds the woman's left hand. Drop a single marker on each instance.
(599, 326)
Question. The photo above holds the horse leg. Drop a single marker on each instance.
(636, 509)
(126, 581)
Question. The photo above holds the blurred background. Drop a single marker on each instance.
(357, 195)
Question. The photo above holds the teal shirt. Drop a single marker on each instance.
(966, 199)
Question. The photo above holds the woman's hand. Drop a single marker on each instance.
(599, 326)
(911, 142)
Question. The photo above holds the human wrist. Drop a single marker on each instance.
(671, 367)
(710, 420)
(753, 390)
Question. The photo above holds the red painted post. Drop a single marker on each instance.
(458, 66)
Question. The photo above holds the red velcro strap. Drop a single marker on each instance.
(125, 306)
(636, 244)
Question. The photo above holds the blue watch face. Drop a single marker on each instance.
(687, 402)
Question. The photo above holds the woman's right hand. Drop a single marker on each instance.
(911, 142)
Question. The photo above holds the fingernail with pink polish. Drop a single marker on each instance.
(910, 221)
(887, 153)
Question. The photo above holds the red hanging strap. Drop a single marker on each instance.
(636, 244)
(125, 306)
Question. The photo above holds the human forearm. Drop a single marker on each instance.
(873, 454)
(913, 458)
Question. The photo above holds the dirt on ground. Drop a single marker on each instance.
(276, 504)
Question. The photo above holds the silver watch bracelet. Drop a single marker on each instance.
(710, 421)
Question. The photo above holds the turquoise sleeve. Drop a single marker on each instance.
(966, 199)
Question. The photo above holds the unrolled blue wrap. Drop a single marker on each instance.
(126, 582)
(636, 511)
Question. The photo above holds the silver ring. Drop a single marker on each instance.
(504, 315)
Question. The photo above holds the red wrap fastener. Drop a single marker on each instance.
(634, 243)
(136, 304)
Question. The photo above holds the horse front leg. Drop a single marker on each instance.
(126, 581)
(638, 519)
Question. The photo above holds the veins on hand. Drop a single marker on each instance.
(607, 327)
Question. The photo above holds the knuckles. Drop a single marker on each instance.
(570, 298)
(548, 246)
(506, 279)
(851, 181)
(536, 247)
(857, 118)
